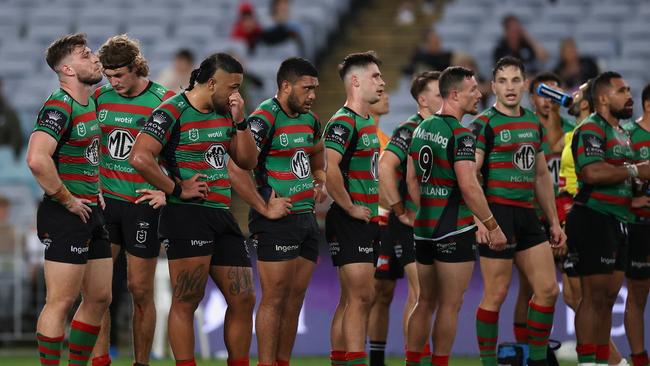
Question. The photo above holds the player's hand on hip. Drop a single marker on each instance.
(156, 198)
(407, 218)
(277, 207)
(79, 207)
(193, 188)
(359, 212)
(497, 239)
(236, 103)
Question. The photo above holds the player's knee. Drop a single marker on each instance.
(244, 302)
(99, 299)
(427, 303)
(549, 292)
(450, 305)
(496, 295)
(384, 296)
(142, 294)
(571, 299)
(364, 297)
(60, 304)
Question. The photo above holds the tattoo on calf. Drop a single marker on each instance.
(241, 281)
(190, 284)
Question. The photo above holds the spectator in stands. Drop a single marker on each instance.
(405, 13)
(5, 206)
(283, 29)
(10, 131)
(518, 43)
(247, 28)
(572, 68)
(177, 76)
(430, 56)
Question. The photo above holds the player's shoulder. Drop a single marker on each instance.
(159, 91)
(267, 111)
(484, 118)
(344, 115)
(174, 106)
(103, 90)
(59, 99)
(592, 124)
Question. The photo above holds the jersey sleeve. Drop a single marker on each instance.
(54, 118)
(464, 145)
(159, 125)
(400, 141)
(544, 146)
(338, 133)
(318, 130)
(589, 145)
(478, 127)
(260, 124)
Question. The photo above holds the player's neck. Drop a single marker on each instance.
(76, 89)
(514, 111)
(200, 101)
(582, 116)
(284, 104)
(358, 106)
(607, 116)
(138, 88)
(424, 112)
(644, 121)
(452, 110)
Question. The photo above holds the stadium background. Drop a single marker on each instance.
(615, 33)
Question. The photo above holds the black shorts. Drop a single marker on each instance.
(451, 249)
(133, 226)
(290, 237)
(396, 249)
(522, 228)
(350, 240)
(66, 238)
(188, 230)
(597, 242)
(638, 265)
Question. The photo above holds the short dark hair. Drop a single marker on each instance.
(421, 81)
(213, 63)
(62, 47)
(357, 59)
(294, 68)
(451, 78)
(543, 77)
(588, 96)
(645, 96)
(602, 81)
(508, 61)
(185, 54)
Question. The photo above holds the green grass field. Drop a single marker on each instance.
(303, 361)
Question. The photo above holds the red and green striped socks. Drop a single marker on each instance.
(82, 340)
(540, 323)
(413, 358)
(487, 332)
(586, 354)
(49, 349)
(426, 355)
(521, 333)
(337, 358)
(640, 359)
(356, 358)
(602, 354)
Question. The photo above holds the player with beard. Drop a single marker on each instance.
(597, 224)
(291, 165)
(638, 267)
(396, 255)
(131, 213)
(352, 151)
(510, 158)
(442, 179)
(63, 155)
(195, 133)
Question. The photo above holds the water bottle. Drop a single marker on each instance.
(559, 97)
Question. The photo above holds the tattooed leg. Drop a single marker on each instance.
(236, 285)
(188, 277)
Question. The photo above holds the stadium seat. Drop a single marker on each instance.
(151, 32)
(562, 12)
(464, 13)
(630, 68)
(550, 31)
(610, 11)
(44, 34)
(102, 15)
(595, 29)
(636, 30)
(597, 48)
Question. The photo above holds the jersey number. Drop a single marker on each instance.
(425, 161)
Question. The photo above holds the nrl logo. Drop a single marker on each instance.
(81, 129)
(194, 134)
(505, 135)
(284, 140)
(102, 115)
(644, 152)
(366, 140)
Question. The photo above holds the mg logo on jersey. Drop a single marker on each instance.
(505, 135)
(374, 166)
(81, 129)
(102, 115)
(120, 142)
(194, 134)
(300, 164)
(216, 156)
(92, 152)
(284, 139)
(524, 158)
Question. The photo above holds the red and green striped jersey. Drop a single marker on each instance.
(194, 142)
(399, 145)
(355, 137)
(75, 128)
(285, 144)
(121, 118)
(438, 142)
(640, 139)
(595, 140)
(511, 145)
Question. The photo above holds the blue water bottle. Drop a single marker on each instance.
(555, 95)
